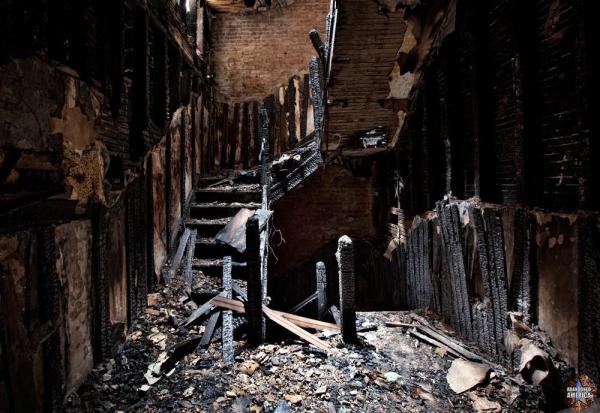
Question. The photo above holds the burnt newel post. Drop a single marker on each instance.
(345, 259)
(321, 289)
(227, 329)
(254, 312)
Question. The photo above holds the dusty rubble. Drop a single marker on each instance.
(390, 371)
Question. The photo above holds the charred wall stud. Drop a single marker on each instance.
(227, 329)
(321, 276)
(347, 285)
(254, 311)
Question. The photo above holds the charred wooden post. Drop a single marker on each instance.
(254, 311)
(318, 44)
(227, 329)
(345, 260)
(316, 85)
(321, 290)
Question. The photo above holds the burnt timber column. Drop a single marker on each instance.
(317, 98)
(345, 260)
(227, 330)
(254, 312)
(321, 289)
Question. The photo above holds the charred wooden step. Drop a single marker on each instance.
(227, 195)
(207, 227)
(209, 248)
(219, 209)
(214, 267)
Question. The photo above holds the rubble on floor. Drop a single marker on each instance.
(390, 371)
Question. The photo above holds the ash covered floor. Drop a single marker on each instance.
(391, 371)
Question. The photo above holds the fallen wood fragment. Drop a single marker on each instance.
(335, 313)
(200, 311)
(399, 324)
(307, 322)
(179, 254)
(303, 334)
(453, 344)
(210, 329)
(300, 321)
(433, 342)
(304, 303)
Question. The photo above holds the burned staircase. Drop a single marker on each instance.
(216, 201)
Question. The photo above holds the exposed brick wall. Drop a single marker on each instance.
(329, 204)
(255, 52)
(367, 42)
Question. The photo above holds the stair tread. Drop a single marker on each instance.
(214, 262)
(248, 189)
(217, 204)
(208, 221)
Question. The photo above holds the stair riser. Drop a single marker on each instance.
(207, 231)
(204, 251)
(242, 197)
(217, 271)
(213, 212)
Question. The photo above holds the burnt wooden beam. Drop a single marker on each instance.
(209, 330)
(149, 218)
(316, 85)
(227, 329)
(452, 247)
(101, 318)
(318, 45)
(304, 303)
(347, 286)
(254, 306)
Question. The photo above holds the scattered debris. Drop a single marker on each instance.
(464, 375)
(483, 405)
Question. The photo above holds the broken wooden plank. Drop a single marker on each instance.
(303, 334)
(307, 322)
(188, 274)
(335, 313)
(179, 253)
(238, 306)
(433, 342)
(200, 311)
(239, 291)
(209, 329)
(304, 303)
(399, 324)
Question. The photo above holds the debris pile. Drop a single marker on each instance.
(167, 364)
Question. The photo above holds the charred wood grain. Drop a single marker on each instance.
(254, 308)
(347, 288)
(227, 325)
